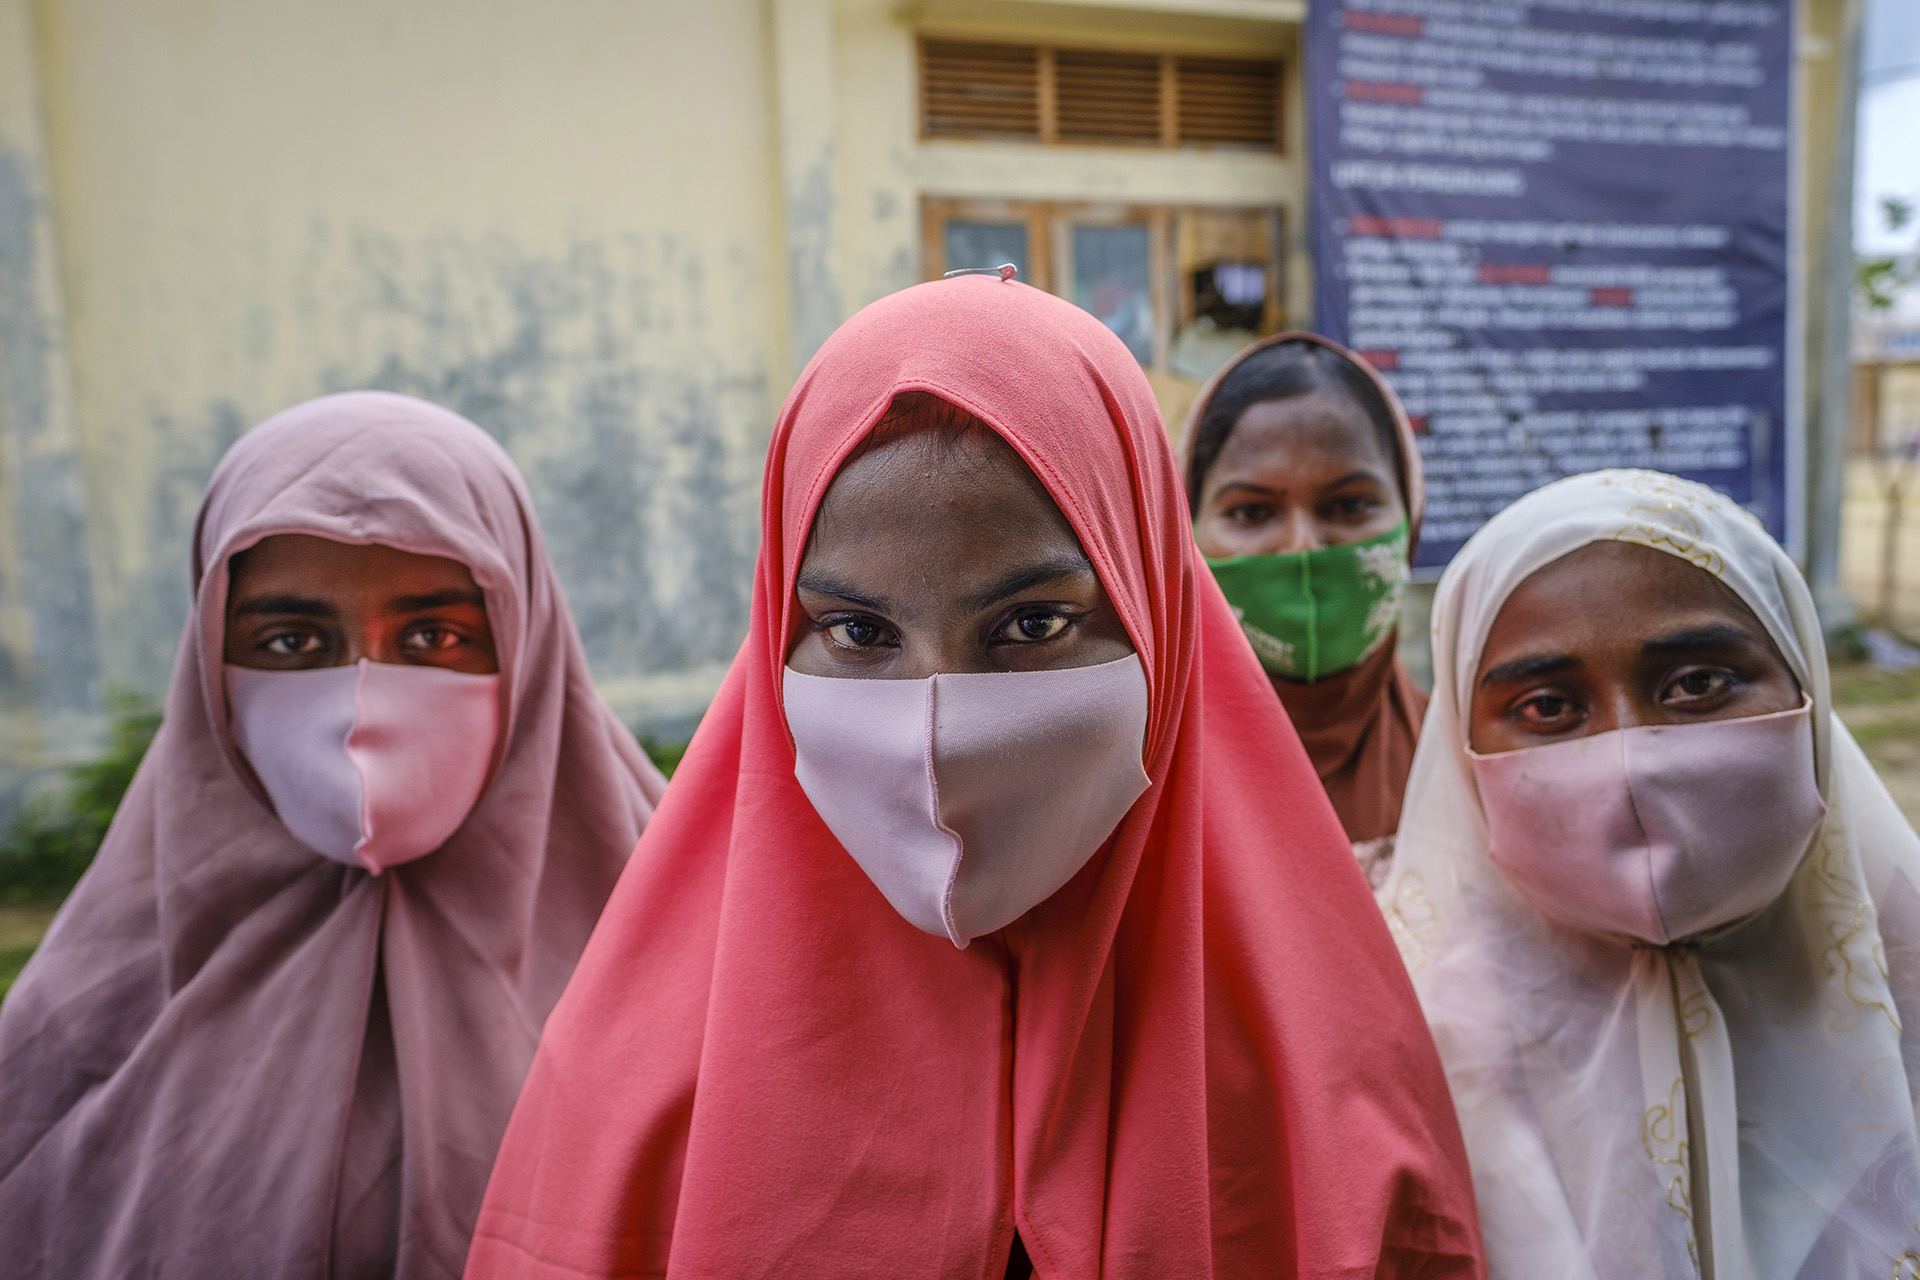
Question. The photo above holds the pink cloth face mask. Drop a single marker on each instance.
(969, 799)
(1658, 832)
(373, 764)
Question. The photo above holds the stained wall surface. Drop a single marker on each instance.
(608, 231)
(557, 219)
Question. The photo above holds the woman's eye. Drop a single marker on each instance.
(1545, 708)
(855, 633)
(1032, 628)
(1250, 513)
(1695, 686)
(289, 643)
(1352, 508)
(431, 638)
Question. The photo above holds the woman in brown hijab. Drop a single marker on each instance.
(278, 1028)
(1305, 484)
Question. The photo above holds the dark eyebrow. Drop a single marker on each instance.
(1262, 489)
(1701, 637)
(1351, 476)
(828, 587)
(299, 606)
(437, 600)
(1529, 668)
(1031, 576)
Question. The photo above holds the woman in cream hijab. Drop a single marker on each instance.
(1671, 955)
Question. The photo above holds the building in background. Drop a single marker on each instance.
(610, 232)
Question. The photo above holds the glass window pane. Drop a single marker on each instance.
(1110, 279)
(987, 244)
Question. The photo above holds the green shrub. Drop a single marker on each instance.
(12, 960)
(664, 754)
(56, 835)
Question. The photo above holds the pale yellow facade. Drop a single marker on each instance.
(609, 231)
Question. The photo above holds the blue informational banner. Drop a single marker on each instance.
(1560, 228)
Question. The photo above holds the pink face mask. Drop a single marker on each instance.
(969, 799)
(1658, 832)
(373, 764)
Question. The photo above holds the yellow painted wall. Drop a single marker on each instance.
(554, 218)
(609, 231)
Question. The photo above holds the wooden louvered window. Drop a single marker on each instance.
(1106, 97)
(1096, 97)
(1222, 101)
(979, 90)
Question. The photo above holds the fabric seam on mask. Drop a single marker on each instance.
(933, 790)
(366, 800)
(1646, 842)
(1313, 618)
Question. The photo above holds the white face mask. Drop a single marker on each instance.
(1659, 832)
(969, 799)
(373, 764)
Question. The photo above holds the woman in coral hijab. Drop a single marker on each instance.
(1307, 493)
(961, 947)
(278, 1028)
(1662, 915)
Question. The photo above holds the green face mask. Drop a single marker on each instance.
(1310, 614)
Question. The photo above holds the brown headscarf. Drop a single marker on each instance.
(1359, 726)
(234, 1057)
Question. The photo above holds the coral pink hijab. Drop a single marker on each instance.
(1199, 1058)
(233, 1057)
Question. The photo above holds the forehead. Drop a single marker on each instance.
(1608, 594)
(309, 563)
(932, 485)
(1322, 424)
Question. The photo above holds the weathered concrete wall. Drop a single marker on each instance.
(49, 673)
(555, 219)
(609, 231)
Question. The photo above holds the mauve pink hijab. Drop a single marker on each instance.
(232, 1057)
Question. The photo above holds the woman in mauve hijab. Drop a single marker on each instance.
(1305, 482)
(1663, 917)
(278, 1028)
(996, 923)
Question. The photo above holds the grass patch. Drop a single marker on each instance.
(1879, 733)
(1863, 684)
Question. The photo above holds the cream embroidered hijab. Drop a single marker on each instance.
(1740, 1108)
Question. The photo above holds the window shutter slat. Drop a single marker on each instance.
(979, 90)
(975, 89)
(1229, 102)
(1107, 97)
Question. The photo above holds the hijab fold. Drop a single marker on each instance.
(1359, 726)
(1199, 1058)
(232, 1056)
(1742, 1105)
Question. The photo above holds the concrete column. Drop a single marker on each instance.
(49, 666)
(806, 110)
